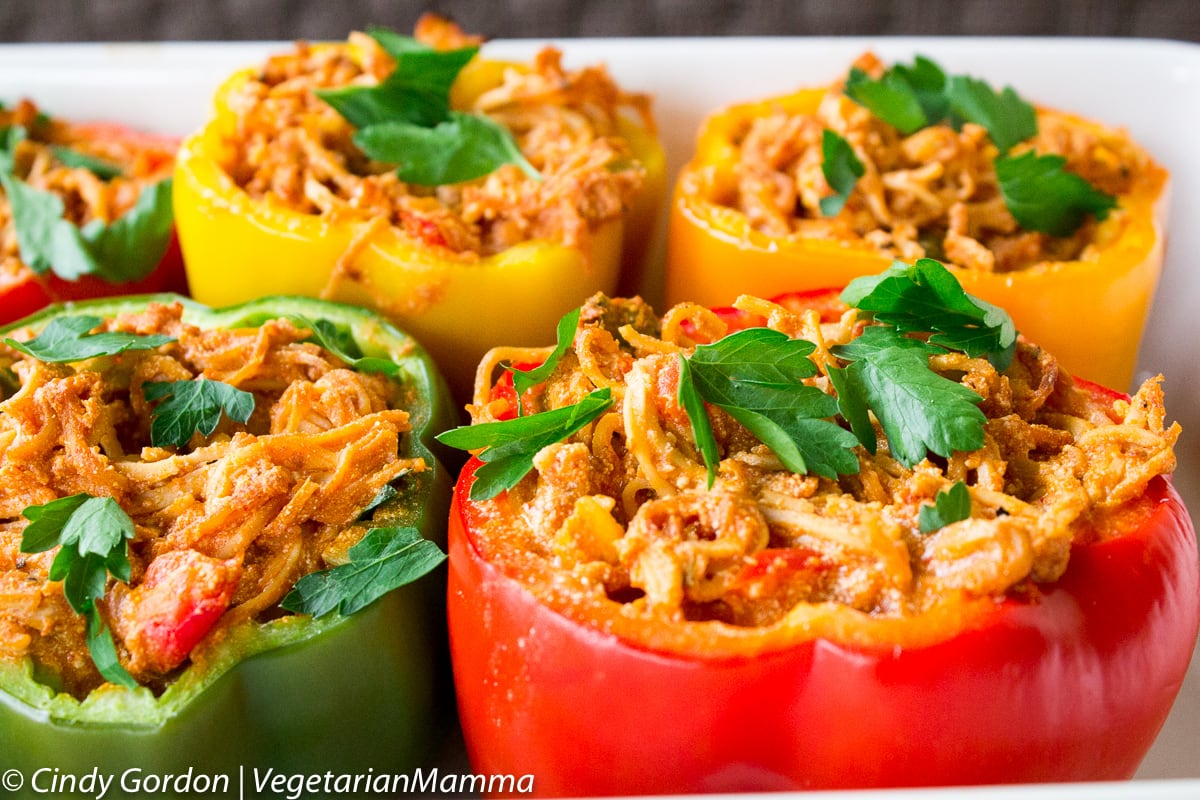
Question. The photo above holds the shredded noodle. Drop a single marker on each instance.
(624, 509)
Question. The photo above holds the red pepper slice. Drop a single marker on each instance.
(23, 292)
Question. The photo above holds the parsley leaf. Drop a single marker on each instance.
(417, 90)
(127, 249)
(67, 339)
(756, 376)
(512, 444)
(841, 169)
(461, 148)
(193, 406)
(383, 560)
(702, 433)
(341, 343)
(926, 298)
(104, 170)
(92, 534)
(1007, 117)
(406, 118)
(132, 245)
(927, 82)
(853, 406)
(913, 97)
(919, 410)
(526, 379)
(1043, 196)
(891, 99)
(950, 505)
(385, 493)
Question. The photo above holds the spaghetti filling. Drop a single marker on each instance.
(223, 525)
(619, 517)
(290, 147)
(931, 193)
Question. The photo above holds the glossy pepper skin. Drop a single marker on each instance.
(237, 248)
(294, 694)
(26, 292)
(1072, 684)
(1090, 314)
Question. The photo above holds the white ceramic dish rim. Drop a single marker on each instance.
(1147, 86)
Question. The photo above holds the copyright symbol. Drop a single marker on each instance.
(12, 780)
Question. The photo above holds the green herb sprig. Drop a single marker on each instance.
(1043, 196)
(104, 170)
(341, 343)
(925, 297)
(91, 533)
(841, 168)
(1038, 191)
(406, 118)
(526, 379)
(950, 506)
(508, 447)
(383, 560)
(194, 406)
(756, 376)
(68, 339)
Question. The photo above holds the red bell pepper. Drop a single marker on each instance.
(1071, 681)
(22, 291)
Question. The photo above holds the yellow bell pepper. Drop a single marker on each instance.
(237, 247)
(1090, 313)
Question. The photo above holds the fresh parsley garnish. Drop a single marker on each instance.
(193, 406)
(406, 118)
(841, 169)
(893, 98)
(67, 339)
(104, 170)
(1007, 118)
(919, 410)
(342, 344)
(385, 493)
(383, 560)
(1040, 194)
(460, 148)
(925, 297)
(508, 447)
(702, 432)
(951, 505)
(92, 534)
(1043, 196)
(911, 98)
(526, 379)
(126, 249)
(756, 376)
(416, 91)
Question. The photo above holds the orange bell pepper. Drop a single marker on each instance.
(238, 247)
(1090, 312)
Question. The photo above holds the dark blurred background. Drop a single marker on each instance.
(172, 20)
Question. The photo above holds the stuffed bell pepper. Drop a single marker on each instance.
(473, 201)
(1055, 218)
(875, 540)
(205, 519)
(85, 211)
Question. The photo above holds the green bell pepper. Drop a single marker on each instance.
(293, 694)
